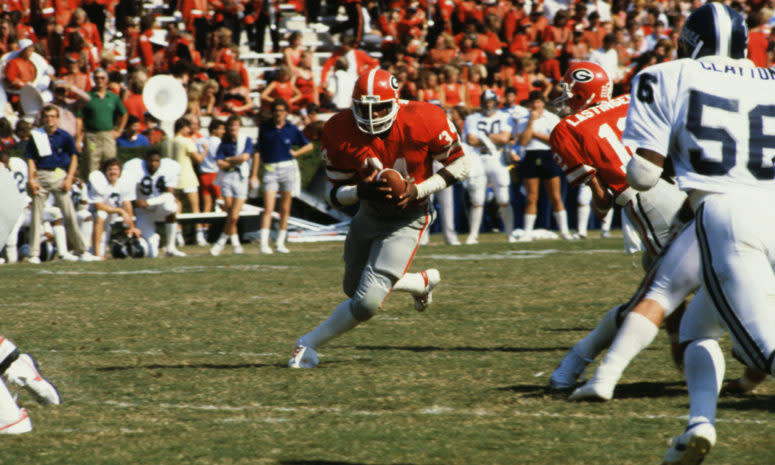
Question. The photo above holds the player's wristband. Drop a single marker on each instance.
(343, 195)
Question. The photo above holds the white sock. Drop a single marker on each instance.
(530, 221)
(704, 369)
(222, 239)
(6, 348)
(264, 236)
(635, 334)
(281, 235)
(60, 239)
(11, 253)
(340, 321)
(413, 283)
(609, 218)
(86, 228)
(583, 212)
(507, 215)
(9, 411)
(99, 249)
(234, 239)
(171, 229)
(561, 218)
(475, 221)
(600, 337)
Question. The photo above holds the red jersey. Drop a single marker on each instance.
(589, 143)
(420, 134)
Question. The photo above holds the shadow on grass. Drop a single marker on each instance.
(642, 390)
(746, 403)
(212, 366)
(462, 349)
(324, 462)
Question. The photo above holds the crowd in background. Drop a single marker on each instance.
(446, 52)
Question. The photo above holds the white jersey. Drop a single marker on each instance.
(481, 126)
(19, 170)
(543, 125)
(720, 139)
(151, 185)
(114, 195)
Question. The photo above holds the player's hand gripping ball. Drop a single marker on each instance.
(394, 181)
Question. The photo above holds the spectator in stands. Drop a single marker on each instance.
(276, 141)
(538, 165)
(79, 22)
(261, 16)
(304, 80)
(281, 88)
(452, 92)
(443, 52)
(7, 36)
(407, 88)
(355, 21)
(221, 56)
(358, 61)
(133, 102)
(473, 86)
(208, 170)
(132, 137)
(549, 65)
(209, 97)
(236, 96)
(195, 15)
(470, 53)
(757, 39)
(292, 53)
(233, 159)
(538, 81)
(20, 70)
(153, 131)
(139, 48)
(100, 122)
(52, 161)
(22, 132)
(430, 89)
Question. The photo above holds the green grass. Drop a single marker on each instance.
(182, 361)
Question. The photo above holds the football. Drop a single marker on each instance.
(394, 180)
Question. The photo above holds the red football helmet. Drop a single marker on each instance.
(585, 83)
(375, 101)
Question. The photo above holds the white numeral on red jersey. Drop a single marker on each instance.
(606, 132)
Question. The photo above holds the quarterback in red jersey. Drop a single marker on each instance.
(382, 132)
(588, 147)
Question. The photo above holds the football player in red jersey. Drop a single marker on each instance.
(589, 149)
(379, 132)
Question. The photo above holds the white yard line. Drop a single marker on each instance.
(174, 270)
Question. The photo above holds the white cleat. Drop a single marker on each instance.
(68, 257)
(605, 234)
(691, 447)
(432, 279)
(88, 257)
(265, 249)
(20, 426)
(594, 389)
(281, 248)
(303, 357)
(34, 260)
(568, 372)
(238, 250)
(201, 241)
(472, 241)
(23, 372)
(174, 252)
(570, 236)
(216, 249)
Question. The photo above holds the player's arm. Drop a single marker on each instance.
(129, 219)
(602, 198)
(648, 126)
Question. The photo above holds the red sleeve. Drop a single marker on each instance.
(12, 73)
(443, 140)
(341, 164)
(568, 154)
(146, 52)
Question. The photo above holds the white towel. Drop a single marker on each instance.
(40, 137)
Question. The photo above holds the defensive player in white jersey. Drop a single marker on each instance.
(18, 369)
(155, 179)
(712, 113)
(488, 132)
(112, 197)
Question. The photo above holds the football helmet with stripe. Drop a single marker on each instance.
(375, 101)
(713, 29)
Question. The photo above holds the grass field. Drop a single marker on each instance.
(183, 361)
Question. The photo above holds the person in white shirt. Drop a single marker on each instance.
(112, 197)
(608, 57)
(538, 164)
(208, 171)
